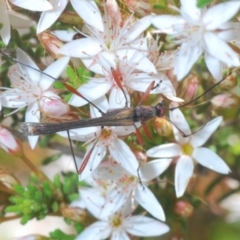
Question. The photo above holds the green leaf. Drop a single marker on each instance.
(25, 219)
(19, 189)
(203, 3)
(55, 207)
(71, 73)
(51, 159)
(57, 181)
(58, 85)
(58, 234)
(79, 227)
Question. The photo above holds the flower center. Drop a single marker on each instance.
(116, 220)
(187, 149)
(106, 133)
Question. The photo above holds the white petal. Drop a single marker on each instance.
(167, 23)
(120, 235)
(214, 66)
(65, 35)
(54, 70)
(32, 115)
(114, 200)
(183, 173)
(117, 98)
(101, 103)
(91, 90)
(124, 131)
(49, 17)
(137, 28)
(31, 74)
(33, 5)
(220, 50)
(187, 56)
(190, 11)
(92, 199)
(96, 231)
(121, 152)
(179, 120)
(165, 150)
(98, 153)
(149, 202)
(141, 61)
(211, 160)
(81, 48)
(107, 60)
(18, 20)
(141, 81)
(93, 64)
(171, 97)
(199, 138)
(152, 169)
(145, 226)
(5, 31)
(229, 31)
(89, 12)
(217, 15)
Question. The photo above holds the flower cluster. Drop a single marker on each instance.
(121, 55)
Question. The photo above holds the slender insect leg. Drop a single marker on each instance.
(71, 147)
(140, 140)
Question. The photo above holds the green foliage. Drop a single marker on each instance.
(203, 3)
(39, 199)
(77, 77)
(58, 234)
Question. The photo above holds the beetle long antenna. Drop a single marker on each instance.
(181, 132)
(183, 105)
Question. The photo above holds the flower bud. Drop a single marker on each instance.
(6, 179)
(140, 155)
(8, 142)
(189, 89)
(162, 126)
(226, 100)
(54, 107)
(51, 43)
(142, 7)
(71, 18)
(74, 213)
(183, 208)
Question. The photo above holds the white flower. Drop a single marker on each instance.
(117, 187)
(128, 78)
(202, 31)
(189, 149)
(102, 140)
(118, 37)
(9, 17)
(119, 224)
(29, 86)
